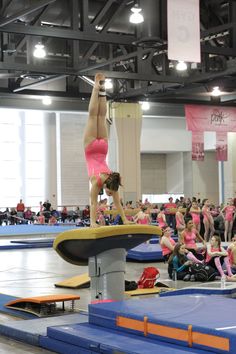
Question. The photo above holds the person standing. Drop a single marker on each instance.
(170, 210)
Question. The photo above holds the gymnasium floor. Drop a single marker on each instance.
(33, 272)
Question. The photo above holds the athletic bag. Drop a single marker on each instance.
(203, 272)
(148, 278)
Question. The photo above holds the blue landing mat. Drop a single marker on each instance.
(213, 320)
(205, 289)
(146, 252)
(65, 339)
(31, 229)
(9, 245)
(31, 330)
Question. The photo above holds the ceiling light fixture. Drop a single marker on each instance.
(216, 91)
(181, 66)
(39, 51)
(46, 100)
(145, 105)
(108, 84)
(136, 17)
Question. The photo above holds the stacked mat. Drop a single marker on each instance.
(189, 324)
(146, 252)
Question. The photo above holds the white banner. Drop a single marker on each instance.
(183, 19)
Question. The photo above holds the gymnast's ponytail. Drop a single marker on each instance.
(113, 181)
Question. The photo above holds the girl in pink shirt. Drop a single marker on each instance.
(167, 243)
(217, 255)
(143, 217)
(195, 212)
(207, 220)
(232, 253)
(228, 214)
(190, 236)
(180, 223)
(161, 218)
(96, 147)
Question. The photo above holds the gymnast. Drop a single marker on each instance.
(96, 147)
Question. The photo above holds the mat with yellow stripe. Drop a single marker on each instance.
(202, 322)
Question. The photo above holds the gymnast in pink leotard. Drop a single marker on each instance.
(143, 216)
(96, 147)
(228, 214)
(207, 220)
(195, 212)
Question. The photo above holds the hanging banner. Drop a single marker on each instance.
(221, 146)
(198, 146)
(210, 118)
(183, 22)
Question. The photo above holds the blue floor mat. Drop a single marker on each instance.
(31, 330)
(146, 252)
(213, 288)
(32, 229)
(102, 340)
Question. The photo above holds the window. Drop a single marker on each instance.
(22, 161)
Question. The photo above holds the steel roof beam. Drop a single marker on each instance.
(40, 82)
(68, 34)
(24, 12)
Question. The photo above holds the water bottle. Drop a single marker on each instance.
(222, 282)
(174, 275)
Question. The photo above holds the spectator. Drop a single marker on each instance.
(170, 209)
(28, 215)
(167, 243)
(20, 208)
(64, 214)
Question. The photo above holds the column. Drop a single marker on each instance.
(230, 169)
(50, 158)
(124, 147)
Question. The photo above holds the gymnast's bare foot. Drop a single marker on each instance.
(100, 81)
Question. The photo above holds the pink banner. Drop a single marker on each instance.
(183, 30)
(221, 146)
(210, 118)
(198, 146)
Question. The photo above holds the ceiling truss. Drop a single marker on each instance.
(85, 36)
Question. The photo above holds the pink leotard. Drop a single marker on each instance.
(161, 221)
(206, 214)
(165, 249)
(143, 221)
(95, 155)
(179, 220)
(190, 239)
(229, 212)
(208, 257)
(196, 218)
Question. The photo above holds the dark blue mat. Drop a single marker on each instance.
(209, 316)
(212, 289)
(146, 252)
(102, 340)
(8, 245)
(31, 330)
(5, 299)
(34, 241)
(63, 348)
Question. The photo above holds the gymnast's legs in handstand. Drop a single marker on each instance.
(96, 124)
